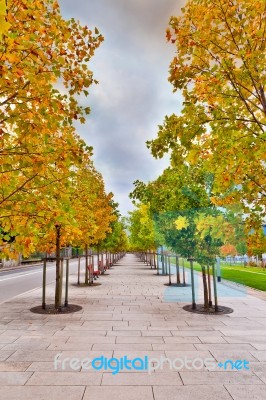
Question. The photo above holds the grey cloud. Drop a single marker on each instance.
(133, 95)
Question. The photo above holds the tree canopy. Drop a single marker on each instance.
(47, 178)
(219, 67)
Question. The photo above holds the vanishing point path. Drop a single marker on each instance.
(129, 314)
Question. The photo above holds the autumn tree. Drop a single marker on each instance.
(75, 211)
(143, 235)
(219, 68)
(228, 250)
(185, 217)
(178, 188)
(4, 25)
(40, 52)
(93, 209)
(177, 192)
(235, 215)
(43, 69)
(256, 243)
(116, 240)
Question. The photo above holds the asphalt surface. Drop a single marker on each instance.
(18, 281)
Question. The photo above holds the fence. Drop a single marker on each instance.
(244, 260)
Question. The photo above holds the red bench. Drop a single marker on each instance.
(102, 268)
(93, 273)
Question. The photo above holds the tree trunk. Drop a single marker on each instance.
(86, 265)
(98, 257)
(79, 270)
(205, 288)
(209, 286)
(194, 306)
(57, 267)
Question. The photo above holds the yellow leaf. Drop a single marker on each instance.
(4, 26)
(181, 223)
(2, 7)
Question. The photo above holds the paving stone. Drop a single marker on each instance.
(14, 378)
(41, 392)
(62, 378)
(247, 392)
(156, 333)
(200, 327)
(124, 333)
(63, 322)
(80, 333)
(7, 339)
(91, 339)
(181, 339)
(18, 333)
(139, 324)
(138, 378)
(102, 325)
(239, 332)
(48, 366)
(205, 323)
(13, 366)
(245, 338)
(173, 347)
(131, 354)
(141, 339)
(122, 347)
(189, 354)
(214, 339)
(211, 378)
(223, 355)
(131, 328)
(258, 346)
(31, 345)
(229, 348)
(259, 369)
(118, 393)
(259, 355)
(191, 332)
(167, 327)
(241, 322)
(71, 346)
(102, 317)
(38, 355)
(5, 354)
(197, 392)
(83, 354)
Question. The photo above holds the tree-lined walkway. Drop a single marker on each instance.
(130, 315)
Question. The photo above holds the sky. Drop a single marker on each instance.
(133, 95)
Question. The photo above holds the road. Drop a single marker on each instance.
(18, 281)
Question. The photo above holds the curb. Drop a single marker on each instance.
(20, 267)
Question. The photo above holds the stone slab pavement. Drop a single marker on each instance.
(130, 315)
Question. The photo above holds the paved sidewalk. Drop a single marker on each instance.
(129, 314)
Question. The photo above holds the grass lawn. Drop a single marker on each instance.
(250, 276)
(255, 279)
